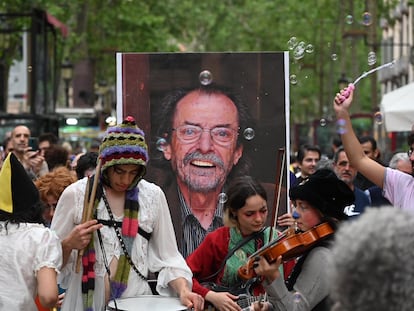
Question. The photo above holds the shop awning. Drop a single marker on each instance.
(397, 108)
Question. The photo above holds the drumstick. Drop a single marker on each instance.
(88, 207)
(85, 200)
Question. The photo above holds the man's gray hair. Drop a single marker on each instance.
(373, 262)
(400, 156)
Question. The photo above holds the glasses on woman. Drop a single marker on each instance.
(220, 135)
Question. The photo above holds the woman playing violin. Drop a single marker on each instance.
(318, 200)
(245, 214)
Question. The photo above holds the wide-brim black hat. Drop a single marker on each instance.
(325, 192)
(17, 191)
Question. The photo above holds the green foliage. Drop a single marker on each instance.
(100, 28)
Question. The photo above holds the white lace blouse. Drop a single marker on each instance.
(160, 254)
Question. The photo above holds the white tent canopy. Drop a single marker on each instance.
(397, 108)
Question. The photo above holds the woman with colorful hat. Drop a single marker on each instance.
(131, 233)
(319, 203)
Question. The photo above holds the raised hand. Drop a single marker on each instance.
(343, 99)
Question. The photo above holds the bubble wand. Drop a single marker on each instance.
(351, 86)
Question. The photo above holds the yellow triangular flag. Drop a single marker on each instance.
(6, 202)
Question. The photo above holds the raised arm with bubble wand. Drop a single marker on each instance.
(368, 167)
(344, 95)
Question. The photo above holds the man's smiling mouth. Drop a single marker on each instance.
(200, 163)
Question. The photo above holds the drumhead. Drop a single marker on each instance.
(147, 302)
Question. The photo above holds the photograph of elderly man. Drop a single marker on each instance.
(207, 126)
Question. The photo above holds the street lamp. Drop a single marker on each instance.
(67, 73)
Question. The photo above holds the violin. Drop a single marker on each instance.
(288, 246)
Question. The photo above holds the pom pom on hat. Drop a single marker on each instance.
(325, 192)
(17, 191)
(124, 144)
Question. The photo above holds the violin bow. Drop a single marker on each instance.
(281, 159)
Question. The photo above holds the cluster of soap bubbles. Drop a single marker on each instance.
(366, 19)
(299, 48)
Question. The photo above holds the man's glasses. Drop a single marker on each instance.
(191, 133)
(410, 152)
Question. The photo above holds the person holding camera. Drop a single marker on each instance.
(31, 159)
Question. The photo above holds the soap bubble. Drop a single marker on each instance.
(248, 133)
(222, 198)
(299, 51)
(372, 58)
(340, 126)
(292, 43)
(205, 77)
(161, 144)
(297, 297)
(366, 19)
(378, 117)
(309, 48)
(293, 79)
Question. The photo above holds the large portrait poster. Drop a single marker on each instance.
(209, 117)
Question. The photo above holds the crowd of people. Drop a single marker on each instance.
(92, 229)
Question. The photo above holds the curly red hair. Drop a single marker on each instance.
(54, 182)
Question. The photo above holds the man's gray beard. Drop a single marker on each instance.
(201, 187)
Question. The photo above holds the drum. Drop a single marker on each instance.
(147, 302)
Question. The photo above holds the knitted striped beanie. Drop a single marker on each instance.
(124, 144)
